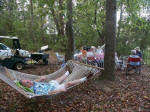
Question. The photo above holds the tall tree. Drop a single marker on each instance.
(31, 21)
(110, 40)
(69, 32)
(61, 18)
(58, 12)
(99, 31)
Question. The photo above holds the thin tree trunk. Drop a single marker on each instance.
(61, 19)
(31, 22)
(100, 33)
(110, 40)
(55, 20)
(41, 31)
(24, 21)
(120, 19)
(10, 7)
(69, 33)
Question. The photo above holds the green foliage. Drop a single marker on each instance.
(135, 29)
(146, 57)
(85, 28)
(132, 35)
(15, 20)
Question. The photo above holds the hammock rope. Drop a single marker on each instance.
(79, 70)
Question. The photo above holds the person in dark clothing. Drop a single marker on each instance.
(138, 52)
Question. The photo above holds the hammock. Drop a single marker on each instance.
(78, 71)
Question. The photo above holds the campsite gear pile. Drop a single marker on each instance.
(91, 55)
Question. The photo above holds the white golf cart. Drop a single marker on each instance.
(18, 53)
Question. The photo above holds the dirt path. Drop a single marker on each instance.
(128, 94)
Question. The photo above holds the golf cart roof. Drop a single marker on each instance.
(8, 37)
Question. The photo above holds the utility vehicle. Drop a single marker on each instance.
(16, 57)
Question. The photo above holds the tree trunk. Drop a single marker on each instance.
(24, 21)
(61, 19)
(42, 31)
(58, 20)
(10, 7)
(110, 40)
(31, 21)
(101, 34)
(69, 33)
(55, 20)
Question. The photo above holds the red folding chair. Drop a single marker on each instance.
(134, 63)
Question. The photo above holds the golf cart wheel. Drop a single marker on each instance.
(45, 62)
(19, 66)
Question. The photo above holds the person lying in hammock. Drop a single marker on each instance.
(53, 86)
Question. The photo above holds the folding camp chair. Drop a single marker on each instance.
(134, 63)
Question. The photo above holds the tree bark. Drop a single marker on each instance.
(110, 40)
(61, 19)
(69, 33)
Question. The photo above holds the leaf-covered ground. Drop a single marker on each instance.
(126, 94)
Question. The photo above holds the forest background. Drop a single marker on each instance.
(43, 22)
